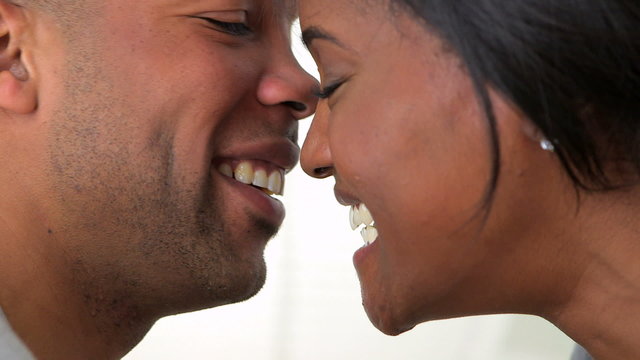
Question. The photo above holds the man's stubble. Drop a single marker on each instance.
(142, 240)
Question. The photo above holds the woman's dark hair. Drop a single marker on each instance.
(571, 66)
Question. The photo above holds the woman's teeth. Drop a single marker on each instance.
(369, 234)
(272, 184)
(360, 215)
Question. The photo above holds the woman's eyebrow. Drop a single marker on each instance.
(314, 32)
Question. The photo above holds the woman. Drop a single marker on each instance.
(490, 151)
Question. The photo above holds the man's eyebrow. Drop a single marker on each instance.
(313, 32)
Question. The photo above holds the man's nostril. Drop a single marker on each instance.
(297, 106)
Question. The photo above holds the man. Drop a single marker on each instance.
(131, 135)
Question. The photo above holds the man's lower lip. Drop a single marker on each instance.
(264, 206)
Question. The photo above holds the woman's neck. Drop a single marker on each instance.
(602, 308)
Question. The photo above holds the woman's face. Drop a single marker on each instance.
(402, 132)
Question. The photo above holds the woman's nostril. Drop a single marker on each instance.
(322, 172)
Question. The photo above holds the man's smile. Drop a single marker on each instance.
(257, 172)
(260, 174)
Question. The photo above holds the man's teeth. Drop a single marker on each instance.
(245, 173)
(360, 215)
(226, 170)
(276, 183)
(260, 179)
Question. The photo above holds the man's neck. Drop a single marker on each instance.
(55, 314)
(11, 347)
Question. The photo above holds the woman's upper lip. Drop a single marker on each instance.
(344, 197)
(281, 152)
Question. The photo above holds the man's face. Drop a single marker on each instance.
(151, 100)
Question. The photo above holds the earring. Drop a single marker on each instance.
(547, 145)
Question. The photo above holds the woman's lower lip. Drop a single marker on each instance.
(266, 207)
(361, 255)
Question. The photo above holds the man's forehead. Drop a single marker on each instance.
(290, 9)
(284, 9)
(287, 9)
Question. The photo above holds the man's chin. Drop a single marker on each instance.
(249, 286)
(239, 287)
(235, 272)
(265, 229)
(255, 274)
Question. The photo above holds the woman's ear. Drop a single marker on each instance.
(17, 87)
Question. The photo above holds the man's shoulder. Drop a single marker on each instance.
(11, 347)
(579, 353)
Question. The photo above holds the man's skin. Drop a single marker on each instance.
(116, 116)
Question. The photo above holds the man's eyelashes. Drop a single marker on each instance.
(231, 28)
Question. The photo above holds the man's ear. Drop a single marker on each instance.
(17, 86)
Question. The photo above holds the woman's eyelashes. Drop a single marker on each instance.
(231, 28)
(326, 92)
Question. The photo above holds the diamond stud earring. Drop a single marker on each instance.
(547, 145)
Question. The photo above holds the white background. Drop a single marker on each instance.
(310, 307)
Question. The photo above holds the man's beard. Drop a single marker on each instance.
(146, 238)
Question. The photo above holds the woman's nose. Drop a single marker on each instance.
(315, 157)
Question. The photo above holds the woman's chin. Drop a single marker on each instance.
(387, 324)
(384, 316)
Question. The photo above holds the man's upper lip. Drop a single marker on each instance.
(281, 152)
(344, 197)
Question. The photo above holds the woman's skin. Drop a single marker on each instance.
(404, 134)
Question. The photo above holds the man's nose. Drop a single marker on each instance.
(290, 86)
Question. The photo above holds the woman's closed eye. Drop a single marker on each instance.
(327, 91)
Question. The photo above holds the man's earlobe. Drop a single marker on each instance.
(18, 70)
(17, 88)
(17, 92)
